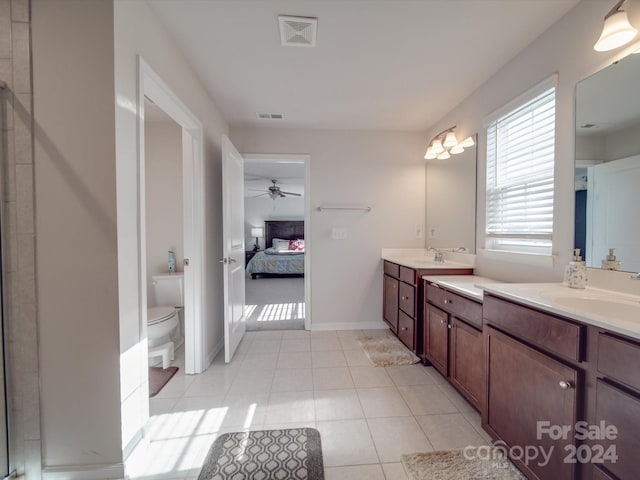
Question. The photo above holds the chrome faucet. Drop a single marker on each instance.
(438, 256)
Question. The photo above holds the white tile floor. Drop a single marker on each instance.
(367, 416)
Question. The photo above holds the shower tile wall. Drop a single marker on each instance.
(19, 238)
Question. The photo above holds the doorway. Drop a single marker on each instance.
(166, 103)
(277, 257)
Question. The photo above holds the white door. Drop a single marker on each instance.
(612, 212)
(233, 246)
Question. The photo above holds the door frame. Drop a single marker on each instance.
(153, 87)
(269, 157)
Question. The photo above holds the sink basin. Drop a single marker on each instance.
(600, 306)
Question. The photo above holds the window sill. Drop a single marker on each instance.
(518, 257)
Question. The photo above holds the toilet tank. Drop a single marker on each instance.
(169, 289)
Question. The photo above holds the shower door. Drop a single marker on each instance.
(4, 134)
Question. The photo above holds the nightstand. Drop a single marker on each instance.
(248, 255)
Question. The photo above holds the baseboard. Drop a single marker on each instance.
(84, 472)
(214, 353)
(350, 326)
(135, 440)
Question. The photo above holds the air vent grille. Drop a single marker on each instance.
(270, 116)
(298, 31)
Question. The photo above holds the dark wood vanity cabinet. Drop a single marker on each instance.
(453, 340)
(524, 387)
(403, 299)
(544, 368)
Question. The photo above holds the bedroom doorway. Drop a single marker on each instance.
(277, 250)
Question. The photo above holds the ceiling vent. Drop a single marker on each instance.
(298, 31)
(270, 116)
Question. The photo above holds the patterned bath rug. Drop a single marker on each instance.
(291, 454)
(484, 464)
(158, 378)
(386, 350)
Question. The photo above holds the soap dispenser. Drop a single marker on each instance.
(575, 275)
(611, 263)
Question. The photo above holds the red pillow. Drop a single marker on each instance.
(297, 245)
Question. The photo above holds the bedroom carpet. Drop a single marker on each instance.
(275, 303)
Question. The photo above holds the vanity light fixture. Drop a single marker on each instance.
(446, 144)
(617, 31)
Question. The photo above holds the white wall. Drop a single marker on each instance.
(163, 195)
(612, 146)
(382, 169)
(257, 210)
(567, 47)
(77, 282)
(138, 32)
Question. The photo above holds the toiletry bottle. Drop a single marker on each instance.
(576, 272)
(171, 260)
(611, 263)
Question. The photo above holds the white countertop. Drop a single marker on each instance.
(607, 309)
(424, 261)
(466, 285)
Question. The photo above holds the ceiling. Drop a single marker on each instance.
(609, 99)
(258, 174)
(378, 64)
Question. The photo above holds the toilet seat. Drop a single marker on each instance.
(159, 314)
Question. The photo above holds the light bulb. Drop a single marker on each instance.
(430, 155)
(457, 149)
(616, 32)
(450, 140)
(468, 142)
(436, 146)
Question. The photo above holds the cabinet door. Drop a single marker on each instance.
(390, 306)
(407, 298)
(466, 360)
(406, 330)
(621, 410)
(436, 333)
(524, 388)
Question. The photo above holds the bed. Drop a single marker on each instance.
(271, 263)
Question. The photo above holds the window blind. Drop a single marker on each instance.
(520, 163)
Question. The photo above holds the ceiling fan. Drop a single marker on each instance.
(274, 191)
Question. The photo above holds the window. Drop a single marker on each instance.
(520, 161)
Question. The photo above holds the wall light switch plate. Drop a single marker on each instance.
(338, 233)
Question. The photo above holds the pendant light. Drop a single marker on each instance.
(616, 31)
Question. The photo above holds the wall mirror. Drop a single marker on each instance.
(451, 201)
(607, 165)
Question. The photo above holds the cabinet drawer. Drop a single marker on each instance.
(546, 331)
(619, 359)
(406, 328)
(407, 299)
(391, 269)
(408, 275)
(456, 304)
(621, 410)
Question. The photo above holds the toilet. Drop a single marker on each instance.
(163, 319)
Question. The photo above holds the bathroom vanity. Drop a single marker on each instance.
(452, 332)
(555, 357)
(403, 294)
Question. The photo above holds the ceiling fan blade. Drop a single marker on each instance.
(261, 195)
(294, 194)
(257, 190)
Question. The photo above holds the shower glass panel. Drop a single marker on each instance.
(4, 136)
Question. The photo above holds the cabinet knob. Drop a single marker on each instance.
(446, 301)
(403, 328)
(441, 321)
(449, 326)
(565, 385)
